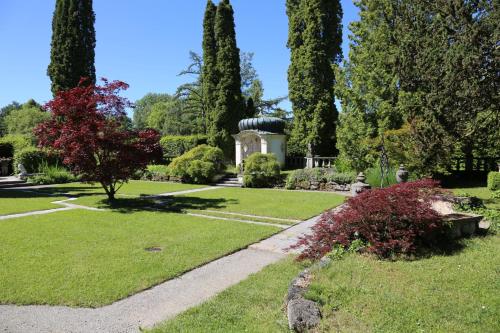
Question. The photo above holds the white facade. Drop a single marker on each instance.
(252, 141)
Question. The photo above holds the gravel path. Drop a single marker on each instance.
(150, 307)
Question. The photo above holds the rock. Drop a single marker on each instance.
(298, 285)
(302, 314)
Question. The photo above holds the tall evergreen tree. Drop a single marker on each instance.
(73, 43)
(229, 105)
(430, 64)
(314, 39)
(209, 75)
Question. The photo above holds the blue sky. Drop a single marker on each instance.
(145, 43)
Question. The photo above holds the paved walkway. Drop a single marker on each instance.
(165, 301)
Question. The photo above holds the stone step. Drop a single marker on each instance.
(229, 185)
(12, 183)
(234, 179)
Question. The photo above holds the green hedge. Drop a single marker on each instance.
(494, 181)
(17, 142)
(176, 145)
(199, 165)
(301, 178)
(33, 159)
(261, 170)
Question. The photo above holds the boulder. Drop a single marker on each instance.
(303, 314)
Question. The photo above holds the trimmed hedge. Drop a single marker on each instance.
(16, 142)
(303, 178)
(176, 145)
(33, 159)
(199, 165)
(494, 181)
(261, 170)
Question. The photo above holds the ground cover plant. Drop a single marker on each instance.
(88, 258)
(398, 220)
(488, 205)
(253, 305)
(263, 202)
(442, 293)
(16, 201)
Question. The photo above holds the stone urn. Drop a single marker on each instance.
(402, 174)
(360, 185)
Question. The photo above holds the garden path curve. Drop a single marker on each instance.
(164, 301)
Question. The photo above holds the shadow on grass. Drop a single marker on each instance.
(163, 204)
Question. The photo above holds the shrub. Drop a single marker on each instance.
(374, 177)
(341, 178)
(33, 159)
(156, 172)
(52, 175)
(302, 178)
(176, 145)
(261, 170)
(391, 221)
(494, 181)
(199, 165)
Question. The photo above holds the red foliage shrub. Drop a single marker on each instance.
(88, 129)
(393, 220)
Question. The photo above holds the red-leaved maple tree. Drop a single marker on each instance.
(395, 220)
(88, 129)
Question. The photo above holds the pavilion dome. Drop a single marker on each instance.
(263, 124)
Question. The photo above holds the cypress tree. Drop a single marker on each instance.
(73, 42)
(229, 105)
(314, 39)
(209, 69)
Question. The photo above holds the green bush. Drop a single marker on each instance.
(33, 159)
(52, 175)
(261, 170)
(302, 178)
(494, 181)
(176, 145)
(341, 178)
(199, 165)
(156, 172)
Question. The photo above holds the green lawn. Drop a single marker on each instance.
(85, 258)
(16, 201)
(273, 203)
(254, 305)
(481, 193)
(456, 293)
(132, 188)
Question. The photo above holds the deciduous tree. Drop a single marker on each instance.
(87, 128)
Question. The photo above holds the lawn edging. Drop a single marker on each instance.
(303, 314)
